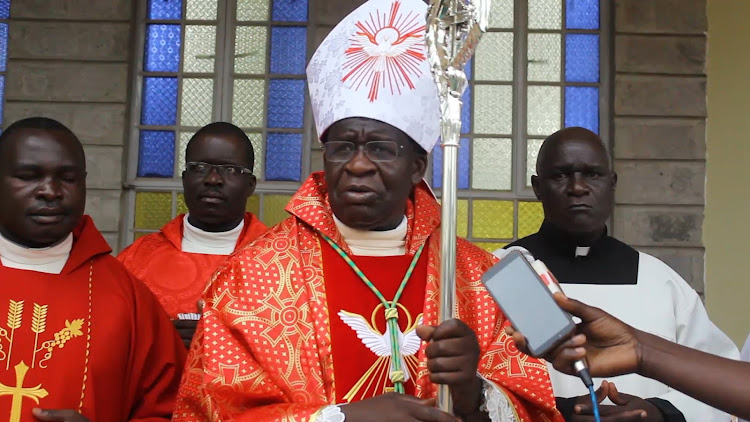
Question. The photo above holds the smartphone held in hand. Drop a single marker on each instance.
(528, 303)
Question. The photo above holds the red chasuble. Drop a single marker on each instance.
(178, 278)
(92, 339)
(358, 323)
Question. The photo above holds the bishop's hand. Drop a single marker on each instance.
(395, 407)
(452, 359)
(59, 415)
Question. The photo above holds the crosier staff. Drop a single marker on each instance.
(454, 28)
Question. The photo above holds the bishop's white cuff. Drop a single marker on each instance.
(496, 403)
(330, 414)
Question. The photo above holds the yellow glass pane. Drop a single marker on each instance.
(273, 209)
(490, 246)
(181, 206)
(250, 49)
(257, 140)
(462, 217)
(197, 102)
(252, 10)
(139, 235)
(152, 210)
(200, 49)
(492, 219)
(532, 152)
(253, 205)
(501, 14)
(248, 104)
(530, 217)
(202, 9)
(184, 139)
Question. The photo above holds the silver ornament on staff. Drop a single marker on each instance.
(454, 28)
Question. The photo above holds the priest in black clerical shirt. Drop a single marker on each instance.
(576, 185)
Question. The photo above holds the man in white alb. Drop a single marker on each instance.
(576, 185)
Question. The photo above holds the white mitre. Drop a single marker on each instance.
(374, 64)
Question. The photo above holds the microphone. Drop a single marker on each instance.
(579, 366)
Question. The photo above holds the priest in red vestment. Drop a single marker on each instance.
(332, 315)
(177, 262)
(81, 339)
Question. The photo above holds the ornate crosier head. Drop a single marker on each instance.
(454, 28)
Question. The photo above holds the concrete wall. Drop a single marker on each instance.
(659, 130)
(726, 231)
(68, 59)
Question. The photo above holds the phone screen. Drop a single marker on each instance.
(527, 302)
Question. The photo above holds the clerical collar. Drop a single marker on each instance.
(195, 240)
(49, 260)
(582, 251)
(564, 245)
(374, 243)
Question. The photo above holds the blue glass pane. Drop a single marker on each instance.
(290, 10)
(582, 14)
(3, 46)
(165, 9)
(284, 156)
(582, 107)
(286, 103)
(162, 48)
(466, 111)
(581, 58)
(2, 97)
(469, 70)
(288, 50)
(4, 9)
(156, 154)
(159, 101)
(463, 165)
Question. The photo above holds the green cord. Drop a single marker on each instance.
(391, 310)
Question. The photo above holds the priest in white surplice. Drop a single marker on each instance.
(576, 185)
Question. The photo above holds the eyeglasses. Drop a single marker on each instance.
(224, 170)
(378, 151)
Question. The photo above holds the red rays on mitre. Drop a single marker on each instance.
(385, 52)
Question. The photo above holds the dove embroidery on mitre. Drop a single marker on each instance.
(380, 344)
(386, 52)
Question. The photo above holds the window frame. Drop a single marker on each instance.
(311, 149)
(224, 78)
(519, 192)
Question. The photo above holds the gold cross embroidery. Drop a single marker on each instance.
(19, 392)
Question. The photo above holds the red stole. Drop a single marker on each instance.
(358, 372)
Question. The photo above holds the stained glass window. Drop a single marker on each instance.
(4, 15)
(212, 60)
(535, 71)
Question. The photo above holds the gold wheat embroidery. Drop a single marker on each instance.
(15, 314)
(38, 326)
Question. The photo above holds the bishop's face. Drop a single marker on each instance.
(371, 169)
(42, 186)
